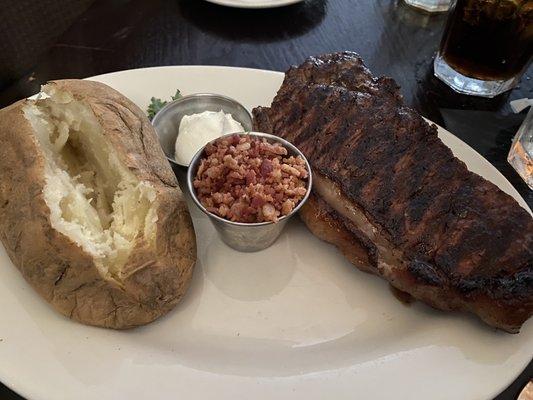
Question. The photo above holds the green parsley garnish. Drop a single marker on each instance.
(158, 104)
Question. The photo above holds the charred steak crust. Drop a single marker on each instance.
(457, 233)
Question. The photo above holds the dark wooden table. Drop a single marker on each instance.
(394, 40)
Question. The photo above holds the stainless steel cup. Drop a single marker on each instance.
(248, 237)
(167, 121)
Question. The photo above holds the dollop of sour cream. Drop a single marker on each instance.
(197, 130)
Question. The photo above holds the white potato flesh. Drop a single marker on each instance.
(93, 198)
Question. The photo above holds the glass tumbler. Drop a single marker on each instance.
(486, 46)
(521, 153)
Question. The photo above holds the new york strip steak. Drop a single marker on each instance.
(393, 198)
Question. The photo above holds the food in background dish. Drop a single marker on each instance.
(90, 211)
(196, 130)
(395, 200)
(247, 179)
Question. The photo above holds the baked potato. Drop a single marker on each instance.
(90, 210)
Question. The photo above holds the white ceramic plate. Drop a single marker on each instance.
(296, 321)
(254, 3)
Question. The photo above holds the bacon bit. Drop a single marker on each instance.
(210, 149)
(250, 177)
(235, 175)
(290, 170)
(213, 172)
(229, 162)
(287, 207)
(223, 210)
(235, 140)
(257, 201)
(266, 167)
(243, 147)
(269, 212)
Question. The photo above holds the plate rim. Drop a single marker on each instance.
(265, 4)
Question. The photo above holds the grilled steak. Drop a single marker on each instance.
(393, 198)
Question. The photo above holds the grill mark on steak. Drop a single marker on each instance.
(457, 233)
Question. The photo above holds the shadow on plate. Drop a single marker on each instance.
(256, 25)
(231, 273)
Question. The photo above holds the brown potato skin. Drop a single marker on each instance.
(154, 279)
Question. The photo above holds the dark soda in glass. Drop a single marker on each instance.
(489, 39)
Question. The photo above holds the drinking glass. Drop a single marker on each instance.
(430, 5)
(521, 154)
(486, 46)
